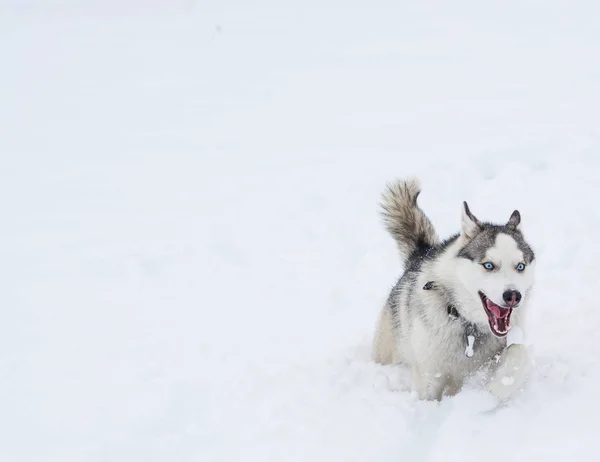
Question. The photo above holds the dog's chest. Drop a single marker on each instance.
(469, 350)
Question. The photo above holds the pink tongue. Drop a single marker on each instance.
(498, 311)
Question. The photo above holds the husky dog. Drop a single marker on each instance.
(453, 308)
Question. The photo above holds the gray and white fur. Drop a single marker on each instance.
(453, 298)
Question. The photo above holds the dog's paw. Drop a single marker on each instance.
(511, 372)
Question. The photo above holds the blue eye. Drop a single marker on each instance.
(488, 266)
(520, 267)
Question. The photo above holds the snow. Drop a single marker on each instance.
(508, 380)
(191, 253)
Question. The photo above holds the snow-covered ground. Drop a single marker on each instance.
(191, 256)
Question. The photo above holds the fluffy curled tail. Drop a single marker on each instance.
(405, 221)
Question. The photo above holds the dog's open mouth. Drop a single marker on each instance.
(498, 316)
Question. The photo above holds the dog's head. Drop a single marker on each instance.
(496, 267)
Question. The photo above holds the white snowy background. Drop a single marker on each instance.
(191, 256)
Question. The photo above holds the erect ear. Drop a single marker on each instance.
(514, 220)
(470, 225)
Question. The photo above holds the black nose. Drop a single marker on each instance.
(511, 297)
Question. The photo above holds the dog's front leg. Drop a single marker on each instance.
(511, 372)
(426, 384)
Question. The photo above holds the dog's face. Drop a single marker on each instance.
(496, 267)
